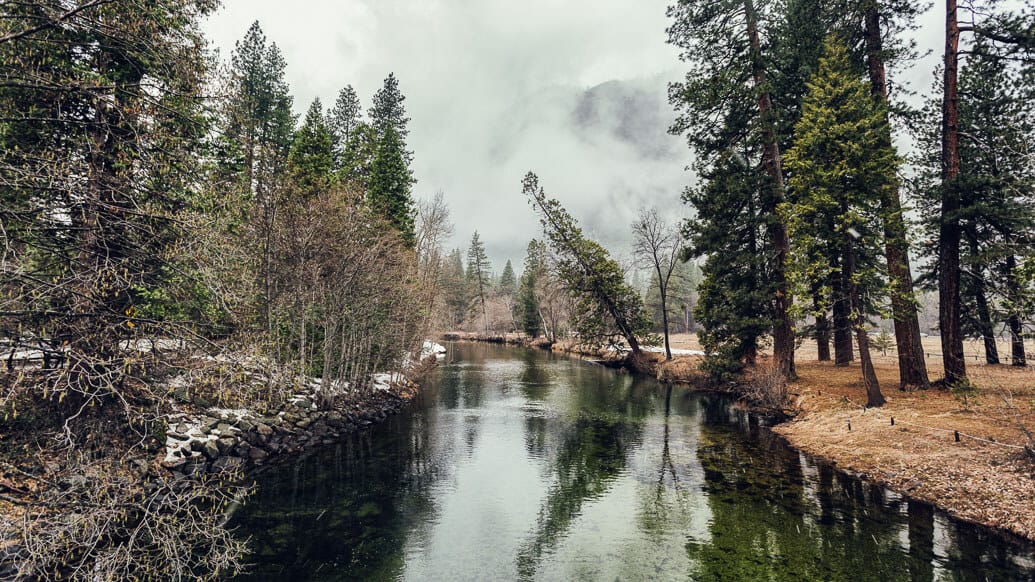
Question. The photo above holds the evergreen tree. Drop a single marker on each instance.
(257, 123)
(995, 185)
(358, 156)
(344, 119)
(254, 142)
(102, 119)
(528, 305)
(508, 282)
(456, 290)
(841, 164)
(727, 110)
(388, 111)
(882, 20)
(389, 186)
(311, 160)
(606, 307)
(733, 305)
(479, 274)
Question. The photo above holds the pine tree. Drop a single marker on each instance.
(389, 187)
(103, 117)
(733, 304)
(528, 305)
(358, 156)
(388, 111)
(508, 282)
(841, 164)
(880, 48)
(344, 118)
(258, 123)
(311, 160)
(606, 307)
(455, 288)
(996, 181)
(254, 141)
(727, 110)
(479, 274)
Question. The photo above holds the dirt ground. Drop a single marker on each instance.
(986, 477)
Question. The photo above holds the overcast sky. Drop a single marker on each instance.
(573, 90)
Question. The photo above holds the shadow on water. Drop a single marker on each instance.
(516, 464)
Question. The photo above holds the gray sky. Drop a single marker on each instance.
(573, 90)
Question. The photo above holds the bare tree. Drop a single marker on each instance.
(656, 246)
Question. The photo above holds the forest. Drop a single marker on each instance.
(185, 258)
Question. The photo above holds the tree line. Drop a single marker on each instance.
(163, 213)
(801, 208)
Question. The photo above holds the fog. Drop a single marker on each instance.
(574, 91)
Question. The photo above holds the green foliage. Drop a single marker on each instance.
(528, 306)
(456, 290)
(311, 160)
(343, 121)
(996, 187)
(508, 281)
(840, 165)
(733, 306)
(534, 276)
(883, 341)
(605, 306)
(256, 122)
(389, 187)
(388, 111)
(95, 180)
(358, 156)
(479, 271)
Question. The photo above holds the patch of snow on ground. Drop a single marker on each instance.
(384, 381)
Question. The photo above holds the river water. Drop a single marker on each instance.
(519, 465)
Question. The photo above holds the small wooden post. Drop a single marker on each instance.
(957, 434)
(892, 421)
(849, 425)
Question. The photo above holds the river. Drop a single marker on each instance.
(517, 464)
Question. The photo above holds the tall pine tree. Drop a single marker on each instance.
(311, 160)
(389, 186)
(842, 164)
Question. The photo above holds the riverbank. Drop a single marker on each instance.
(985, 477)
(182, 475)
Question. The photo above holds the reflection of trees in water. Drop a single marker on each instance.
(592, 453)
(534, 377)
(670, 489)
(769, 521)
(347, 512)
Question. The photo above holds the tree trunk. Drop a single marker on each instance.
(983, 311)
(912, 367)
(783, 330)
(1017, 355)
(949, 231)
(842, 324)
(822, 328)
(874, 398)
(664, 320)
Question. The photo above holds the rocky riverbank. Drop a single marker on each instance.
(230, 441)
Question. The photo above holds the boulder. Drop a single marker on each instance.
(226, 465)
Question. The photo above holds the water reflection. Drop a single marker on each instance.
(519, 465)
